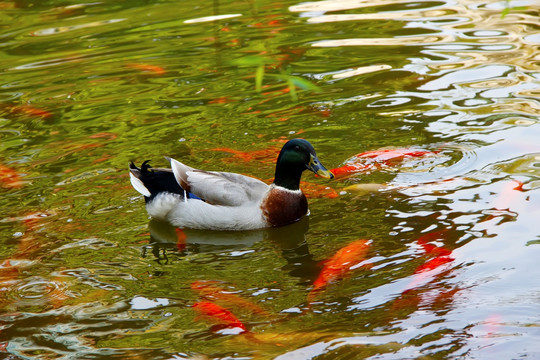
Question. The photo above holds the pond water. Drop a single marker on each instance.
(442, 225)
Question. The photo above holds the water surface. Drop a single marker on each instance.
(87, 87)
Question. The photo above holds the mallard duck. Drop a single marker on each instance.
(190, 198)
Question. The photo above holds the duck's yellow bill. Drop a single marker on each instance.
(327, 174)
(319, 169)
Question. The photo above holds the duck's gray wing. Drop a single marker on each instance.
(219, 188)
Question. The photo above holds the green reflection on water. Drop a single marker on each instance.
(88, 87)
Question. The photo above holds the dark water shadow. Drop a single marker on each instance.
(166, 240)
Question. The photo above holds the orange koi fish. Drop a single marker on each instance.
(444, 297)
(264, 155)
(104, 135)
(58, 296)
(9, 178)
(158, 70)
(412, 299)
(218, 314)
(340, 265)
(375, 159)
(30, 111)
(519, 186)
(269, 23)
(181, 238)
(31, 241)
(408, 300)
(222, 100)
(209, 290)
(316, 191)
(8, 271)
(35, 220)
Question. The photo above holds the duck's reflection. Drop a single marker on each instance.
(165, 239)
(291, 240)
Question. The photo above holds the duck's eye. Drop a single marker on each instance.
(297, 148)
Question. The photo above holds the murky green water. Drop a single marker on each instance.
(452, 268)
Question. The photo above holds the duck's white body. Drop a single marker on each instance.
(197, 214)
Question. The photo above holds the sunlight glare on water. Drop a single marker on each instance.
(424, 246)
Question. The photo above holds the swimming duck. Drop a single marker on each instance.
(190, 198)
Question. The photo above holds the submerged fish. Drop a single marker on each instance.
(210, 290)
(433, 263)
(9, 178)
(265, 155)
(30, 111)
(316, 191)
(440, 253)
(375, 159)
(365, 189)
(431, 249)
(340, 265)
(218, 314)
(158, 70)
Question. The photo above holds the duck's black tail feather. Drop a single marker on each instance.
(150, 182)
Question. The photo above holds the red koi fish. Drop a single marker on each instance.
(433, 263)
(210, 290)
(442, 256)
(157, 70)
(340, 265)
(350, 169)
(218, 314)
(375, 159)
(431, 249)
(9, 178)
(411, 297)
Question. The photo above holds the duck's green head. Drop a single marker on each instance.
(296, 156)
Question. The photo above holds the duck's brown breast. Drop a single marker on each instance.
(282, 206)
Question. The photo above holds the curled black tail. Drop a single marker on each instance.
(150, 182)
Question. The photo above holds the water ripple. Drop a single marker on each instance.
(126, 80)
(64, 29)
